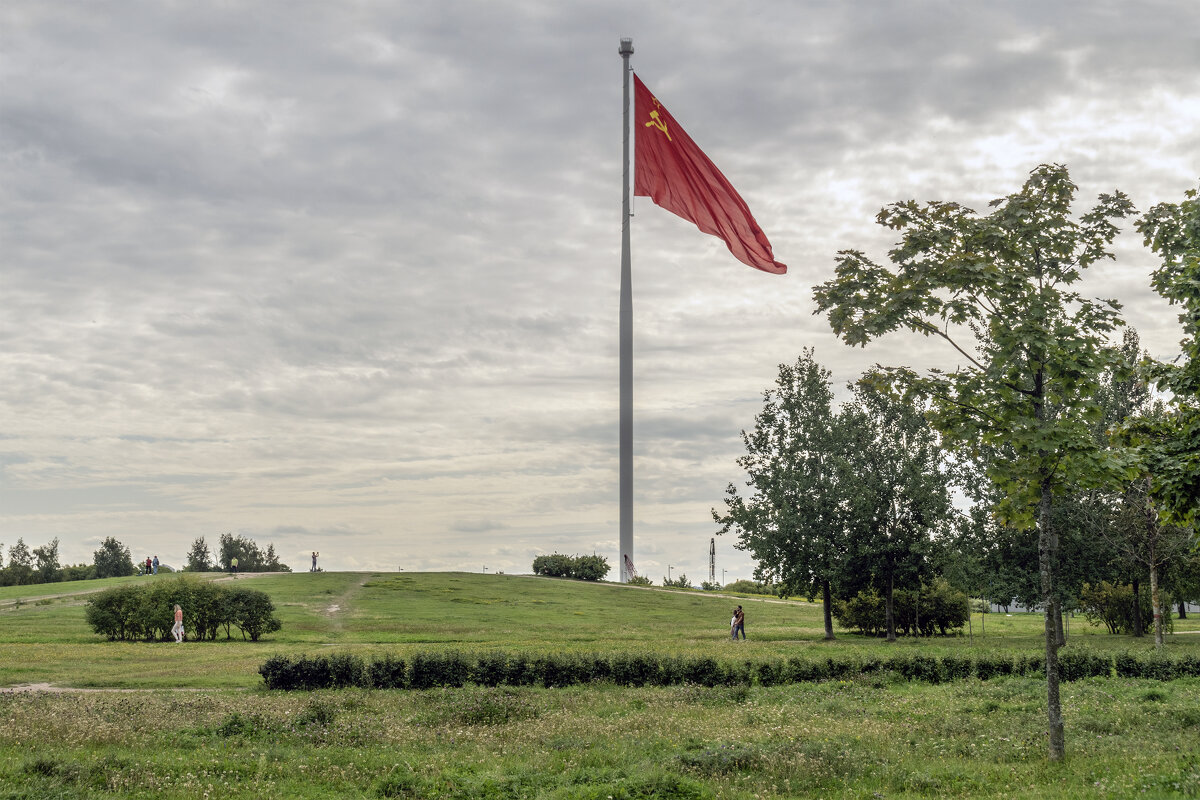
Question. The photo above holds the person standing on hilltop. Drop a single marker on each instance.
(314, 561)
(156, 565)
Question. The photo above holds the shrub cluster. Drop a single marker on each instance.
(940, 608)
(455, 669)
(584, 568)
(147, 611)
(1114, 605)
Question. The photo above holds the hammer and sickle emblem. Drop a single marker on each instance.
(657, 121)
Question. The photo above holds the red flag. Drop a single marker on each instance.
(673, 172)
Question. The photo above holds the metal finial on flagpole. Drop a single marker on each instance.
(626, 341)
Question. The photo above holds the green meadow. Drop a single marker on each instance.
(192, 720)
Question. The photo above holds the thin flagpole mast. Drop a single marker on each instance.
(626, 350)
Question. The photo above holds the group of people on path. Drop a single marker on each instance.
(151, 566)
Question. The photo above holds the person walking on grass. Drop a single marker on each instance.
(177, 629)
(739, 623)
(233, 565)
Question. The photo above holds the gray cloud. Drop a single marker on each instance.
(348, 275)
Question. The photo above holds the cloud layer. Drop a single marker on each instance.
(344, 277)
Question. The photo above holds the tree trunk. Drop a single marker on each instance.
(1182, 610)
(1046, 557)
(1137, 608)
(1060, 637)
(890, 612)
(917, 612)
(827, 608)
(1154, 602)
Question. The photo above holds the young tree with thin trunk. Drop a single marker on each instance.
(1029, 351)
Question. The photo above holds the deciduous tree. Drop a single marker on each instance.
(794, 518)
(1171, 448)
(112, 560)
(901, 495)
(199, 559)
(1028, 349)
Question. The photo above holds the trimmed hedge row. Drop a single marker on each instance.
(453, 669)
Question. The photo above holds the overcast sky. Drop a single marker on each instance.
(344, 276)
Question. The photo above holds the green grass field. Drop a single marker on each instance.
(167, 720)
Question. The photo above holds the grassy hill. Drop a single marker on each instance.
(188, 721)
(44, 637)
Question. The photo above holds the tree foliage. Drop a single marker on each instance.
(145, 611)
(1171, 446)
(250, 557)
(112, 560)
(199, 559)
(1029, 349)
(793, 519)
(585, 568)
(901, 495)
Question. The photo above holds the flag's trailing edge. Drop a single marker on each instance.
(673, 172)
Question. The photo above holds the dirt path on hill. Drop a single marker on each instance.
(49, 688)
(338, 606)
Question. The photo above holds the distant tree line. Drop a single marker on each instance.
(27, 565)
(244, 549)
(113, 559)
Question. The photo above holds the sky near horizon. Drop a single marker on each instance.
(344, 276)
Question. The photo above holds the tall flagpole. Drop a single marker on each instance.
(626, 326)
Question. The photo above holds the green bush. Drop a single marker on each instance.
(752, 587)
(1075, 665)
(990, 666)
(432, 670)
(939, 608)
(147, 611)
(555, 565)
(252, 612)
(634, 669)
(387, 672)
(590, 568)
(452, 669)
(111, 612)
(1113, 605)
(585, 568)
